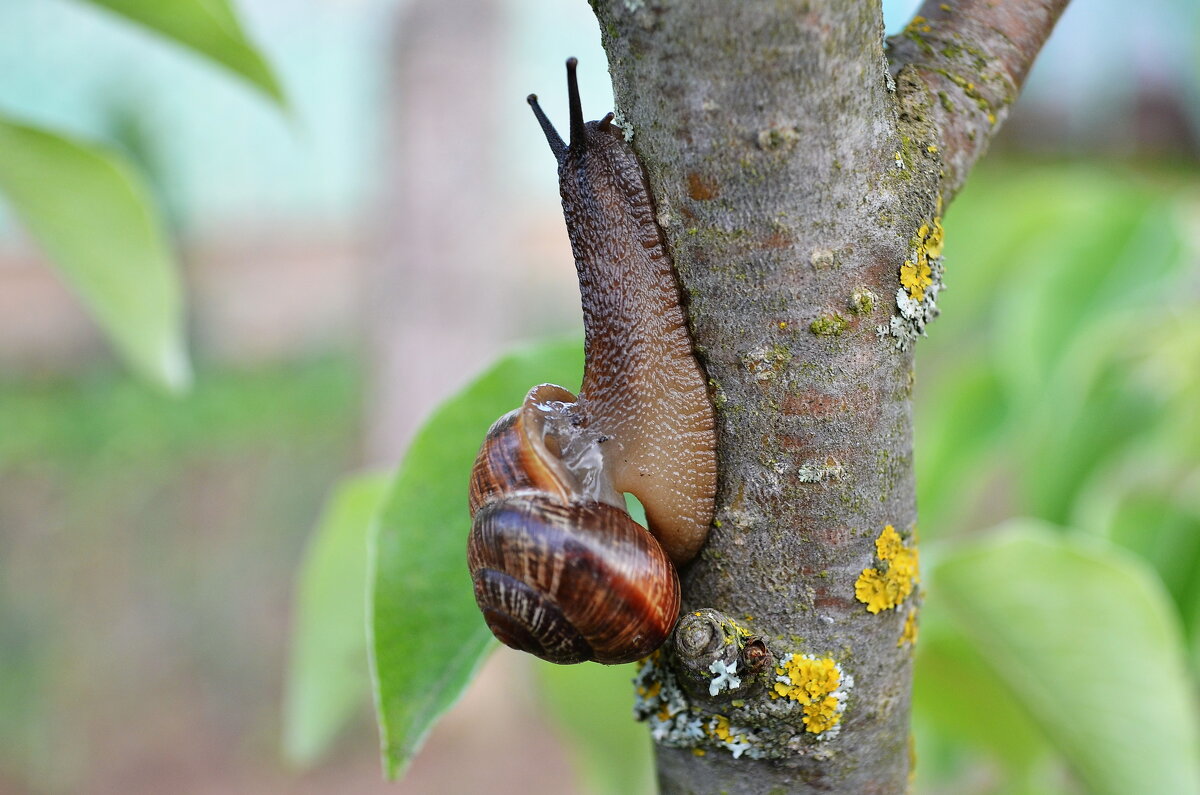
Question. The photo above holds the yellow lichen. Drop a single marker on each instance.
(884, 588)
(909, 633)
(720, 729)
(916, 275)
(815, 682)
(821, 715)
(933, 243)
(889, 544)
(904, 567)
(877, 591)
(808, 678)
(650, 692)
(736, 739)
(921, 24)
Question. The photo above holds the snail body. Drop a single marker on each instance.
(559, 567)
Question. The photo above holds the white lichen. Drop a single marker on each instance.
(817, 471)
(624, 124)
(726, 677)
(889, 81)
(677, 723)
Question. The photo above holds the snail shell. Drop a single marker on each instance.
(558, 573)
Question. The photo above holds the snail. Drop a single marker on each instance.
(560, 569)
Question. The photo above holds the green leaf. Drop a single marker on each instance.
(953, 685)
(99, 225)
(1070, 274)
(328, 676)
(1148, 504)
(594, 706)
(428, 635)
(1084, 638)
(1095, 430)
(208, 27)
(958, 422)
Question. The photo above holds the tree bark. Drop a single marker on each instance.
(800, 177)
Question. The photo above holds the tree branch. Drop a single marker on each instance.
(973, 56)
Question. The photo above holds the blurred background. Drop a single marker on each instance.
(353, 260)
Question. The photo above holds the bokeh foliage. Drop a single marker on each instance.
(92, 212)
(146, 544)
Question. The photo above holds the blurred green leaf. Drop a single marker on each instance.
(98, 223)
(1168, 352)
(958, 419)
(208, 27)
(1069, 450)
(327, 679)
(1059, 277)
(1002, 208)
(953, 686)
(1149, 503)
(428, 635)
(1073, 275)
(108, 422)
(1088, 645)
(594, 705)
(1088, 295)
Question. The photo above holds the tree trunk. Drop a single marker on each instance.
(441, 83)
(800, 180)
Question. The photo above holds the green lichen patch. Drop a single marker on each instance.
(778, 138)
(969, 88)
(822, 259)
(820, 471)
(832, 324)
(914, 30)
(863, 301)
(766, 363)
